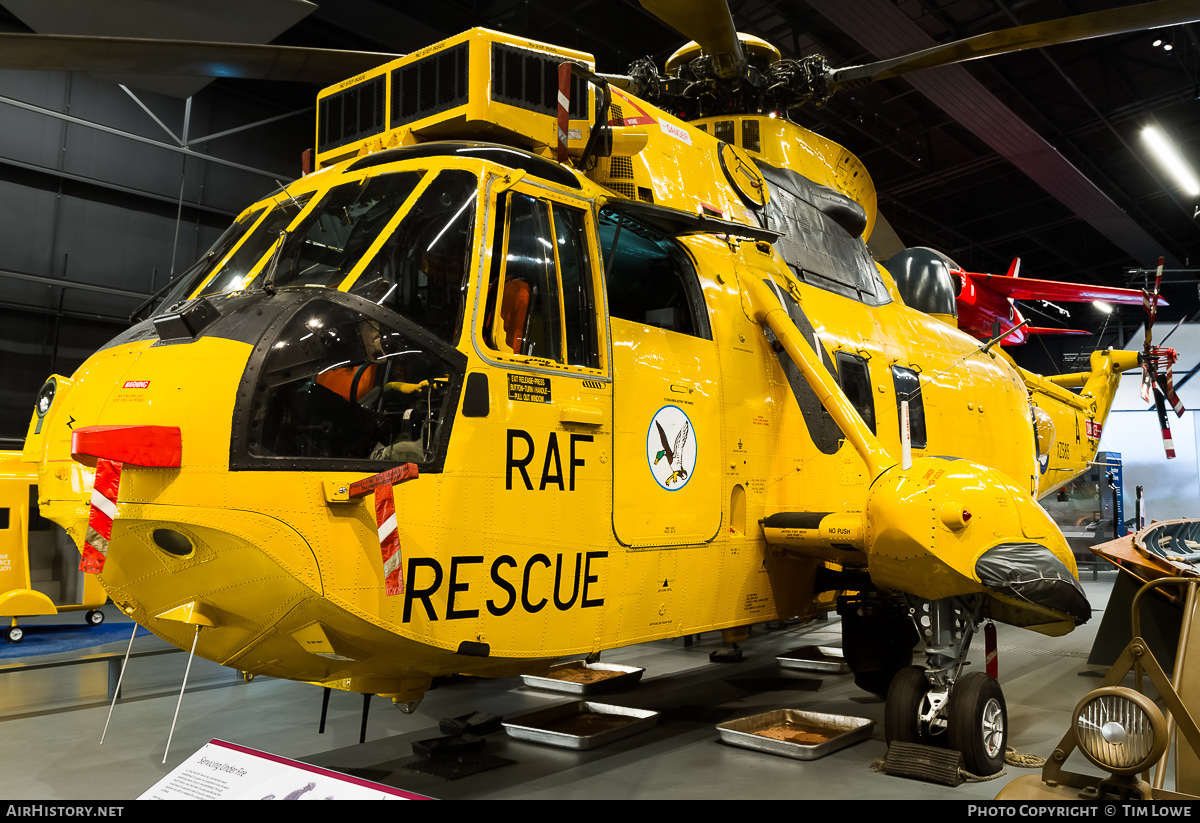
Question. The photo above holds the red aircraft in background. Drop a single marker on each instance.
(987, 309)
(987, 299)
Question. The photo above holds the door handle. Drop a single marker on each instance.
(582, 415)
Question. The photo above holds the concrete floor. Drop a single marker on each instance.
(51, 722)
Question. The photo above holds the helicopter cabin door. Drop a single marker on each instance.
(666, 404)
(540, 330)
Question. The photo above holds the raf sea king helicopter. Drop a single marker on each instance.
(539, 362)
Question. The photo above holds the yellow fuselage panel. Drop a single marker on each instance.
(531, 521)
(554, 526)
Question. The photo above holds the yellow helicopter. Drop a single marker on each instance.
(529, 367)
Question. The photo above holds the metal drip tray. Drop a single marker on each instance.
(579, 677)
(797, 734)
(580, 725)
(815, 659)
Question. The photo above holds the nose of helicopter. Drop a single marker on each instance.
(237, 574)
(165, 530)
(134, 453)
(228, 530)
(950, 527)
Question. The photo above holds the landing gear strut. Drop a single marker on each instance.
(939, 705)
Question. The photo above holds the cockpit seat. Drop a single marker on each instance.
(514, 310)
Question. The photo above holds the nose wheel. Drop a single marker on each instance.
(908, 708)
(936, 705)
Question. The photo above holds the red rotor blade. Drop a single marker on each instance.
(1150, 303)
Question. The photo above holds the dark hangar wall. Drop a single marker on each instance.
(88, 212)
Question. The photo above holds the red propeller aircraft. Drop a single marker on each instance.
(987, 309)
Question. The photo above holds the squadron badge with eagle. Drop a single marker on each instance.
(671, 448)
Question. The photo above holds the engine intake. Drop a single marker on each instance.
(925, 281)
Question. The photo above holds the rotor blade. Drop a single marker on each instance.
(1166, 384)
(1031, 36)
(1146, 387)
(1191, 373)
(709, 23)
(191, 58)
(1161, 407)
(1150, 303)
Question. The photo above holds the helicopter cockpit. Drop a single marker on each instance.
(366, 281)
(342, 383)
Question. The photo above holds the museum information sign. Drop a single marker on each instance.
(226, 771)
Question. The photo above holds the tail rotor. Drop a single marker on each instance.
(1158, 380)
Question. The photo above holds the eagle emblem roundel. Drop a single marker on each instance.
(671, 448)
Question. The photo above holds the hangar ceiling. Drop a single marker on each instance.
(1034, 155)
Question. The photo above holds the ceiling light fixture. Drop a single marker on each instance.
(1102, 306)
(1171, 160)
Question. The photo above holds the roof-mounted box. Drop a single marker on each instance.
(479, 85)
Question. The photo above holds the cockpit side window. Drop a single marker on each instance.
(422, 270)
(855, 379)
(579, 301)
(541, 301)
(347, 385)
(233, 274)
(650, 279)
(908, 387)
(530, 279)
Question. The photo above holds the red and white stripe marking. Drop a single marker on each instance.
(385, 518)
(564, 106)
(1175, 402)
(1150, 301)
(1167, 383)
(389, 541)
(100, 518)
(110, 448)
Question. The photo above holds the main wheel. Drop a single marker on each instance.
(94, 617)
(14, 634)
(978, 719)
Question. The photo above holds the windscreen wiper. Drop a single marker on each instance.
(269, 280)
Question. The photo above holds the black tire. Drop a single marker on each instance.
(14, 634)
(94, 618)
(901, 713)
(978, 719)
